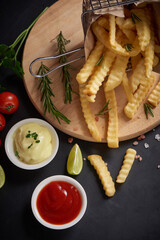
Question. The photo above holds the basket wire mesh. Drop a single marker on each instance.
(92, 6)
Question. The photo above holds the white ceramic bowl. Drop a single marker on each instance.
(42, 184)
(9, 145)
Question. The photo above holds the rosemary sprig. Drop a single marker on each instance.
(47, 94)
(148, 110)
(100, 60)
(104, 110)
(135, 18)
(66, 77)
(128, 47)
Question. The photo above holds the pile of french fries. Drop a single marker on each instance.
(118, 42)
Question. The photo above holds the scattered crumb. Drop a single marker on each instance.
(135, 143)
(157, 137)
(106, 164)
(146, 145)
(84, 159)
(139, 158)
(141, 137)
(96, 118)
(70, 140)
(158, 166)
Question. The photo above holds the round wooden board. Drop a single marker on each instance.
(65, 16)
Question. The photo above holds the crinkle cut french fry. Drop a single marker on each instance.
(127, 164)
(128, 24)
(127, 88)
(103, 173)
(114, 44)
(154, 97)
(138, 75)
(88, 67)
(99, 75)
(101, 34)
(112, 131)
(143, 28)
(155, 61)
(103, 21)
(116, 73)
(90, 121)
(129, 33)
(149, 51)
(131, 108)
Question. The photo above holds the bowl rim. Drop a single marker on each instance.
(9, 149)
(42, 184)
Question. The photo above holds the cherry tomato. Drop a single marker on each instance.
(2, 122)
(8, 102)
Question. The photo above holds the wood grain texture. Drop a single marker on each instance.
(65, 16)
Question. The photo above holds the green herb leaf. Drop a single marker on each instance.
(148, 110)
(128, 47)
(135, 18)
(17, 154)
(66, 77)
(100, 60)
(30, 145)
(8, 54)
(47, 95)
(104, 110)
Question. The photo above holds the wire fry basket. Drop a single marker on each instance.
(88, 8)
(93, 6)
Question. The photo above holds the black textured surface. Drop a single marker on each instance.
(132, 214)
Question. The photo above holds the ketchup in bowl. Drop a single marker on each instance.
(59, 202)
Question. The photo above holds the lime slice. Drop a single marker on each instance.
(2, 177)
(75, 161)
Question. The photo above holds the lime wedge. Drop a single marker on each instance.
(2, 177)
(75, 161)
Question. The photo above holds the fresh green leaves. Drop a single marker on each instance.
(148, 110)
(8, 54)
(66, 77)
(47, 95)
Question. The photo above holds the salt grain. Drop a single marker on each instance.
(146, 145)
(158, 166)
(157, 137)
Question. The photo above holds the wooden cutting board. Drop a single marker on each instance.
(65, 16)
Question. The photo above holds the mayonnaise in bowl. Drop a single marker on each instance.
(31, 143)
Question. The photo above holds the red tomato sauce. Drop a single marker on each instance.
(59, 202)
